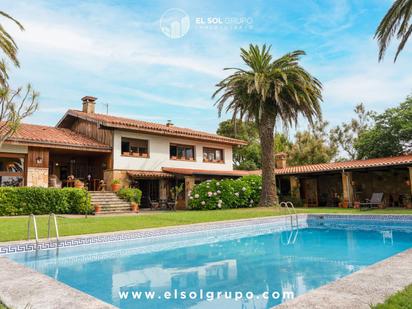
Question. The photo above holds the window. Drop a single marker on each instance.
(11, 170)
(213, 155)
(182, 152)
(135, 147)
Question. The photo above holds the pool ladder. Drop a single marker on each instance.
(32, 217)
(292, 212)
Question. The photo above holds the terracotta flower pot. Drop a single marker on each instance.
(116, 187)
(97, 208)
(134, 207)
(79, 185)
(356, 205)
(345, 204)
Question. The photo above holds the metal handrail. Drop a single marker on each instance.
(294, 210)
(56, 227)
(286, 205)
(32, 218)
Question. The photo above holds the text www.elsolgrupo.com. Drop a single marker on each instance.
(203, 295)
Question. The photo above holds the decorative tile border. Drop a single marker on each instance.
(73, 241)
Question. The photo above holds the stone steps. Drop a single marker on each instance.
(109, 202)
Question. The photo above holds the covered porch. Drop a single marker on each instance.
(344, 187)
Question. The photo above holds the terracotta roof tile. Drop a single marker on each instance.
(54, 137)
(188, 171)
(356, 164)
(155, 128)
(149, 174)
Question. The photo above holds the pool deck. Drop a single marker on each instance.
(369, 286)
(21, 286)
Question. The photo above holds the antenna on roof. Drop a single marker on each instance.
(107, 107)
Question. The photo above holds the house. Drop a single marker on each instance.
(85, 145)
(350, 181)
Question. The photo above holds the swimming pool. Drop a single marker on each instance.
(261, 258)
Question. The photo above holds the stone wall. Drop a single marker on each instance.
(38, 177)
(109, 175)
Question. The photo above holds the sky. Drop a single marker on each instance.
(118, 52)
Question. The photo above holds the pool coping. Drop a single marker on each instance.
(20, 284)
(362, 289)
(22, 287)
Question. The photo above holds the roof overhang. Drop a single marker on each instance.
(14, 141)
(197, 172)
(149, 174)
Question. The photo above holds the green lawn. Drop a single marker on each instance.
(402, 299)
(15, 228)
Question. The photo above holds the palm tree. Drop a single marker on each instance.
(9, 48)
(395, 23)
(265, 92)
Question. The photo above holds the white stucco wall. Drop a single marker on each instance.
(13, 148)
(159, 154)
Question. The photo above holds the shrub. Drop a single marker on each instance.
(228, 193)
(130, 195)
(255, 183)
(39, 201)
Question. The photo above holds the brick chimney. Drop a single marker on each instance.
(280, 160)
(89, 104)
(169, 123)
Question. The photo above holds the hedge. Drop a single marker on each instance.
(228, 193)
(40, 201)
(130, 195)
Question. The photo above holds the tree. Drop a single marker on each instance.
(312, 147)
(246, 157)
(9, 48)
(346, 135)
(14, 106)
(395, 23)
(265, 92)
(391, 135)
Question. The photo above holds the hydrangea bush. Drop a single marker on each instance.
(228, 193)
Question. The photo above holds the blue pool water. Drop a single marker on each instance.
(245, 259)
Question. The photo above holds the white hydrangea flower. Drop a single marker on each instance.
(260, 187)
(218, 192)
(209, 194)
(243, 189)
(196, 195)
(203, 202)
(191, 197)
(251, 201)
(218, 183)
(219, 205)
(237, 193)
(214, 193)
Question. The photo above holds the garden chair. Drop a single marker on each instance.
(153, 204)
(374, 202)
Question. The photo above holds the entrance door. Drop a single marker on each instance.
(150, 188)
(310, 192)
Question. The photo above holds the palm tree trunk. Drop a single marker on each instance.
(268, 196)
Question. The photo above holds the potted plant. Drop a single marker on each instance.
(116, 185)
(97, 208)
(356, 204)
(134, 207)
(345, 203)
(174, 192)
(78, 184)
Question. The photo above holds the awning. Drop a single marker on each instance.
(193, 172)
(149, 174)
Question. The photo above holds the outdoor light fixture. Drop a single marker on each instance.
(39, 160)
